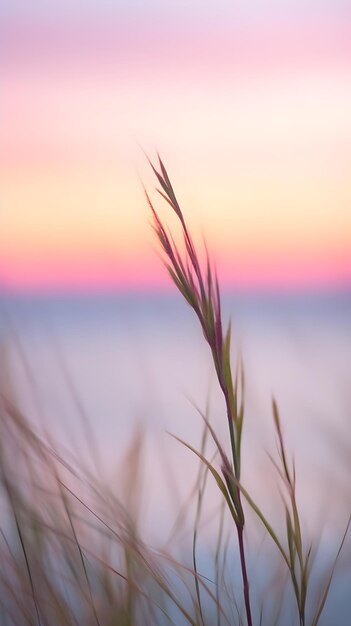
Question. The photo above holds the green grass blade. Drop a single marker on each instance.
(215, 475)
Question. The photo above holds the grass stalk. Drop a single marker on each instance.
(201, 291)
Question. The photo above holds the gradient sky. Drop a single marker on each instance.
(248, 105)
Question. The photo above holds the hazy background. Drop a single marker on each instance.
(130, 361)
(249, 106)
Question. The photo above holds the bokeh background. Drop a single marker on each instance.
(249, 106)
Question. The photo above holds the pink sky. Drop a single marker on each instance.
(251, 117)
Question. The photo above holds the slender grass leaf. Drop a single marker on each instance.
(215, 475)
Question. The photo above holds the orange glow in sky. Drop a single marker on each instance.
(250, 114)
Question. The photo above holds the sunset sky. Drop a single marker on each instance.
(248, 105)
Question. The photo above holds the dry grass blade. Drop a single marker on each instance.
(330, 579)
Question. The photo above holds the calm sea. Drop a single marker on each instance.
(129, 361)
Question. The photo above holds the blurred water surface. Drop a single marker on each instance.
(122, 361)
(141, 359)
